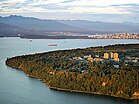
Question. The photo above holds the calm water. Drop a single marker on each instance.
(17, 88)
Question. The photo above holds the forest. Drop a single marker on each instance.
(60, 71)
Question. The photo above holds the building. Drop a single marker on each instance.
(116, 57)
(77, 58)
(104, 84)
(89, 56)
(111, 55)
(98, 59)
(116, 66)
(96, 55)
(90, 59)
(106, 55)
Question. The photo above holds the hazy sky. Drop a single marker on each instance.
(94, 10)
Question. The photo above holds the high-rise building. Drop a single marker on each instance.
(111, 55)
(106, 55)
(116, 56)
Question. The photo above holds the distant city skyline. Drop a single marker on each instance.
(92, 10)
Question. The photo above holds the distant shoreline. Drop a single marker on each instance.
(60, 37)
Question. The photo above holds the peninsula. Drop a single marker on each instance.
(111, 70)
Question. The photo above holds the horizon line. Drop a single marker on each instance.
(63, 19)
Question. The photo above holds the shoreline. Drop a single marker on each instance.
(134, 95)
(78, 91)
(64, 38)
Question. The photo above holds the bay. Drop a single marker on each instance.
(17, 88)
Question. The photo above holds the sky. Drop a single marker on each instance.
(94, 10)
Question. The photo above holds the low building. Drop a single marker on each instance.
(116, 66)
(90, 59)
(88, 56)
(98, 59)
(96, 55)
(104, 84)
(135, 60)
(127, 60)
(77, 58)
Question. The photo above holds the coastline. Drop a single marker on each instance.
(77, 91)
(64, 37)
(19, 67)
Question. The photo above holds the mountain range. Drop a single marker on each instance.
(13, 25)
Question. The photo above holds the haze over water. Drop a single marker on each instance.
(17, 88)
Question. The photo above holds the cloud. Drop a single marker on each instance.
(125, 5)
(70, 7)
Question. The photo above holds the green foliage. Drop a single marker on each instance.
(58, 69)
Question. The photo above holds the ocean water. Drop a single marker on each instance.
(17, 88)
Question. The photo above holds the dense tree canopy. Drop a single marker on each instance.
(58, 69)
